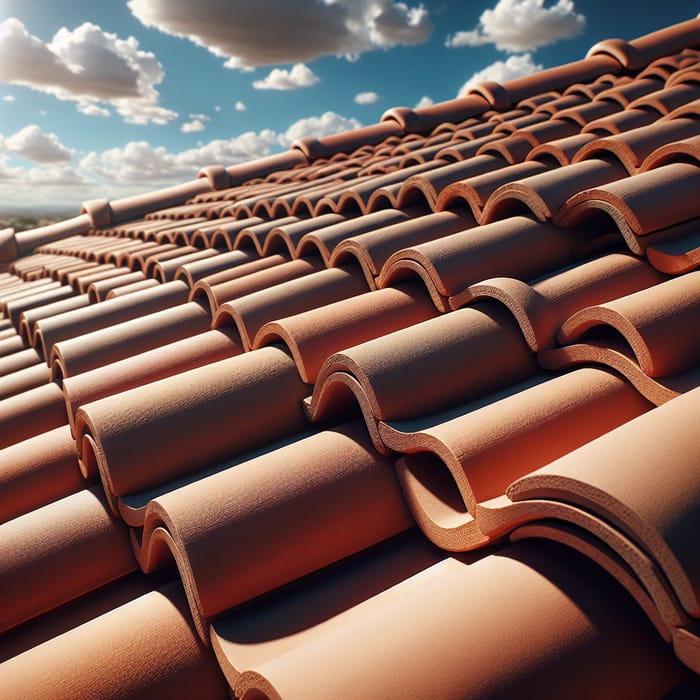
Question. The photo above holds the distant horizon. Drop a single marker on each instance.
(116, 99)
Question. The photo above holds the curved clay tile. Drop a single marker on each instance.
(183, 424)
(642, 203)
(586, 113)
(427, 186)
(668, 99)
(151, 263)
(456, 460)
(131, 288)
(513, 149)
(685, 150)
(617, 555)
(241, 266)
(360, 192)
(29, 318)
(544, 193)
(177, 234)
(324, 240)
(125, 256)
(550, 130)
(285, 237)
(314, 335)
(16, 361)
(165, 270)
(38, 471)
(50, 330)
(561, 77)
(106, 345)
(532, 103)
(626, 93)
(252, 277)
(98, 291)
(252, 311)
(137, 261)
(252, 238)
(565, 101)
(146, 367)
(26, 413)
(688, 74)
(347, 141)
(192, 272)
(660, 341)
(543, 307)
(426, 119)
(75, 542)
(144, 646)
(620, 121)
(625, 489)
(260, 167)
(632, 147)
(475, 191)
(437, 354)
(522, 247)
(302, 651)
(23, 380)
(372, 249)
(41, 297)
(224, 235)
(680, 253)
(460, 150)
(333, 477)
(13, 244)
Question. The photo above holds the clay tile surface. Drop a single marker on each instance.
(407, 411)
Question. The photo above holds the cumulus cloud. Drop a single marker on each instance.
(522, 25)
(514, 66)
(140, 162)
(327, 124)
(240, 106)
(88, 66)
(366, 98)
(271, 32)
(138, 166)
(93, 110)
(8, 98)
(192, 126)
(298, 76)
(35, 145)
(424, 101)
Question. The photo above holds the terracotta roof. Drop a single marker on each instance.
(409, 411)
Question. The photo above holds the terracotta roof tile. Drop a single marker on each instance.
(311, 379)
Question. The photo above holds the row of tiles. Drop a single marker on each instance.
(278, 365)
(132, 363)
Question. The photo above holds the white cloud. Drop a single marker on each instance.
(140, 166)
(240, 106)
(200, 116)
(424, 101)
(93, 110)
(271, 32)
(35, 145)
(522, 25)
(192, 126)
(217, 108)
(85, 65)
(366, 98)
(514, 66)
(298, 76)
(8, 98)
(141, 163)
(327, 124)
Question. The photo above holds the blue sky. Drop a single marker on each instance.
(106, 99)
